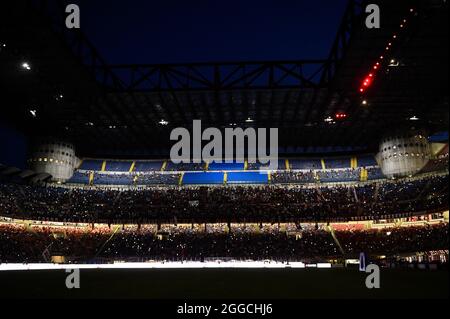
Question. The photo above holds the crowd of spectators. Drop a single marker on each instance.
(293, 177)
(388, 241)
(157, 179)
(278, 177)
(19, 244)
(325, 176)
(342, 175)
(185, 166)
(216, 204)
(113, 179)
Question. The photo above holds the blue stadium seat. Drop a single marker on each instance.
(118, 166)
(91, 165)
(374, 173)
(339, 162)
(226, 166)
(314, 163)
(258, 165)
(366, 160)
(203, 178)
(247, 178)
(148, 166)
(79, 178)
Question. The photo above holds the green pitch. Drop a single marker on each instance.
(224, 283)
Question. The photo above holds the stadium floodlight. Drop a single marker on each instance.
(26, 66)
(393, 62)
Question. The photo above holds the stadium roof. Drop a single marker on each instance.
(57, 84)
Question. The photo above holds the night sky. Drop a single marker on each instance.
(174, 31)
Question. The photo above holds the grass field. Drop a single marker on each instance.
(224, 284)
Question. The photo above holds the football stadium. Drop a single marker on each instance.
(321, 176)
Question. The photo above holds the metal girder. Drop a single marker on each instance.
(203, 76)
(131, 93)
(219, 76)
(350, 21)
(348, 24)
(239, 75)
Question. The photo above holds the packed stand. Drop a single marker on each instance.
(294, 177)
(238, 203)
(20, 244)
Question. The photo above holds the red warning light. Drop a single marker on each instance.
(340, 115)
(366, 82)
(378, 64)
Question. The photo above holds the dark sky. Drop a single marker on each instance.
(172, 31)
(13, 146)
